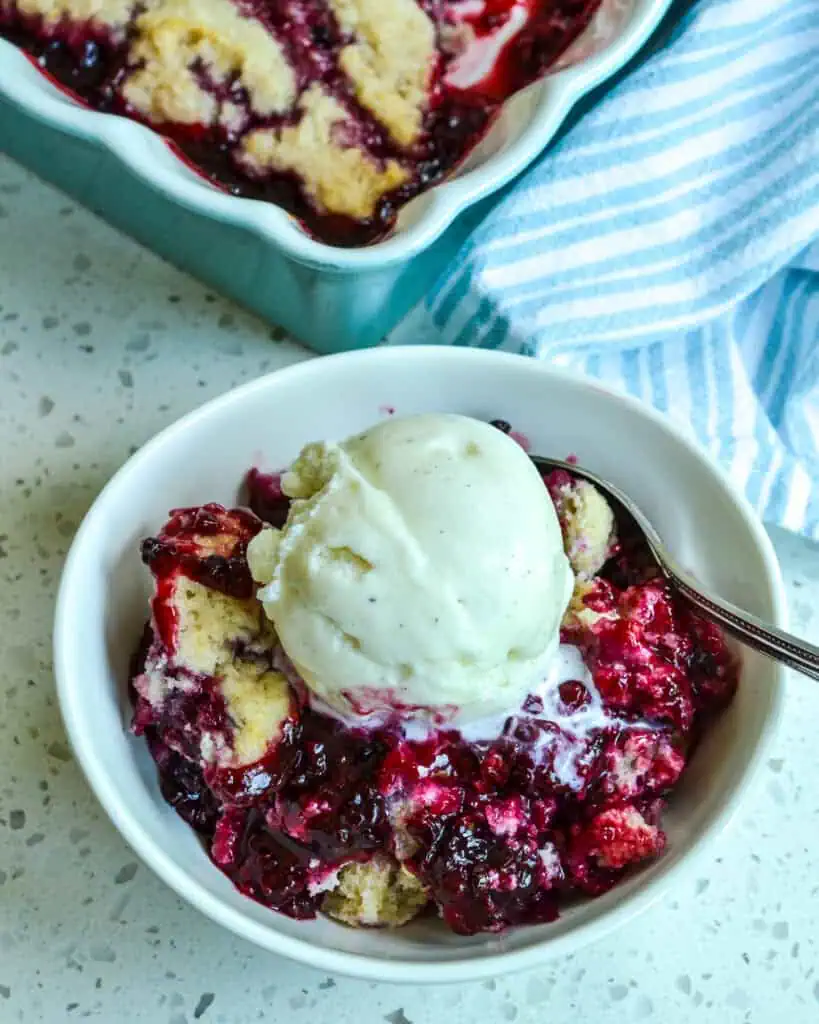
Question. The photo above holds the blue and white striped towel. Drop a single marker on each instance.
(669, 244)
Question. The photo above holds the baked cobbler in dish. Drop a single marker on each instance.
(339, 111)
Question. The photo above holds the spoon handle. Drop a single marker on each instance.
(753, 632)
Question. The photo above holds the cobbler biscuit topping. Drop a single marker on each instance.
(208, 660)
(389, 60)
(190, 57)
(493, 826)
(334, 175)
(55, 15)
(338, 110)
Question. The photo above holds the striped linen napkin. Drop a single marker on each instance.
(666, 245)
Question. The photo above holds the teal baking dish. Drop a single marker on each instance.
(333, 299)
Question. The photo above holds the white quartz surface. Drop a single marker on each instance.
(101, 345)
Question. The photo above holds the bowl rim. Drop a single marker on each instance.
(459, 969)
(44, 100)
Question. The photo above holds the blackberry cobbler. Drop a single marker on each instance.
(338, 110)
(376, 821)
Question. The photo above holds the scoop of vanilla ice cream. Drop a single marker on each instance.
(421, 567)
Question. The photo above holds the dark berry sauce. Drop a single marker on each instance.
(265, 498)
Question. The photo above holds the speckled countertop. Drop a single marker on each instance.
(101, 345)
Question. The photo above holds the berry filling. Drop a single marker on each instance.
(338, 111)
(490, 827)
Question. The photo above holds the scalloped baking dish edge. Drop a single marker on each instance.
(146, 153)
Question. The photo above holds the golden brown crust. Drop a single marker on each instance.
(259, 703)
(337, 178)
(379, 893)
(110, 14)
(390, 61)
(174, 36)
(211, 626)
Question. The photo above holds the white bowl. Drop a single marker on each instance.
(527, 124)
(102, 606)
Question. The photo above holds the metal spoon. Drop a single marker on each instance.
(753, 632)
